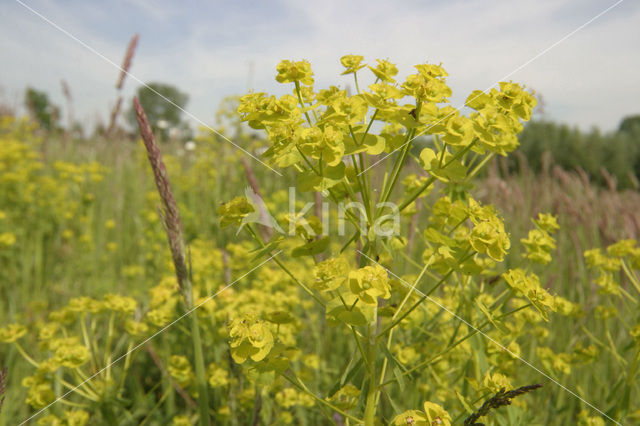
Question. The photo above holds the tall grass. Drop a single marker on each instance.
(127, 252)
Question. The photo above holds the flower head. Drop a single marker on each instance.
(289, 72)
(370, 283)
(385, 70)
(352, 63)
(12, 332)
(250, 337)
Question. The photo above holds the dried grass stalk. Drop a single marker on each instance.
(126, 64)
(3, 385)
(169, 210)
(500, 399)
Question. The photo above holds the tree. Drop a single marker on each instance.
(617, 152)
(41, 109)
(630, 125)
(630, 129)
(161, 113)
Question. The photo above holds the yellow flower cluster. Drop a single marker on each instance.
(432, 415)
(250, 337)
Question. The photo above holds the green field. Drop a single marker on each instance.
(92, 315)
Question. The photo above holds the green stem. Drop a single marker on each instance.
(444, 151)
(472, 333)
(415, 194)
(388, 189)
(432, 179)
(302, 102)
(355, 78)
(372, 392)
(464, 257)
(480, 166)
(322, 401)
(87, 341)
(107, 349)
(284, 268)
(632, 276)
(459, 153)
(366, 131)
(304, 157)
(25, 355)
(201, 377)
(361, 180)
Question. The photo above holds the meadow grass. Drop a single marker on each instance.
(116, 244)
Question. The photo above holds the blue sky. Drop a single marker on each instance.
(214, 49)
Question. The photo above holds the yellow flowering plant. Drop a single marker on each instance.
(415, 309)
(331, 140)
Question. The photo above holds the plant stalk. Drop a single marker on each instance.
(175, 236)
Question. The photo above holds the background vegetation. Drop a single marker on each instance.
(78, 218)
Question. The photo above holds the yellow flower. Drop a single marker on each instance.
(326, 144)
(459, 131)
(289, 72)
(436, 415)
(539, 245)
(12, 332)
(385, 70)
(40, 393)
(547, 222)
(352, 63)
(218, 377)
(370, 283)
(513, 97)
(496, 382)
(72, 356)
(622, 248)
(331, 273)
(426, 90)
(76, 417)
(489, 236)
(7, 239)
(406, 354)
(287, 398)
(161, 316)
(49, 420)
(84, 304)
(411, 418)
(234, 211)
(180, 370)
(433, 415)
(181, 421)
(250, 337)
(585, 420)
(529, 286)
(48, 331)
(136, 328)
(118, 303)
(311, 361)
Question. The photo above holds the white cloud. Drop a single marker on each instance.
(589, 79)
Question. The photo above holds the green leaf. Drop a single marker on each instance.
(454, 169)
(358, 314)
(396, 367)
(311, 248)
(495, 322)
(310, 181)
(347, 375)
(435, 236)
(270, 247)
(466, 404)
